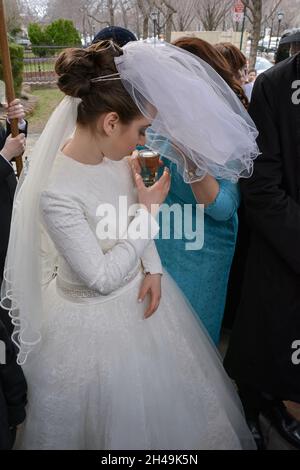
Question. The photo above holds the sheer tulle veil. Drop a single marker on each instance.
(195, 115)
(30, 260)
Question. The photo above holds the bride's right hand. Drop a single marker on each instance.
(155, 195)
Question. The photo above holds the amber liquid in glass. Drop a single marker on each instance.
(149, 162)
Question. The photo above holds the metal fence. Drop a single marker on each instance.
(39, 62)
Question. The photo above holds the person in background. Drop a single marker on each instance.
(252, 75)
(263, 353)
(289, 45)
(236, 60)
(203, 274)
(238, 65)
(248, 87)
(10, 147)
(293, 40)
(13, 392)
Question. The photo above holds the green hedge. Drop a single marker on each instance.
(17, 62)
(59, 33)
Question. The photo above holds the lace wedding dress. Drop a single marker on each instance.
(103, 377)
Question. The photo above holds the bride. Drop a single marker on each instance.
(113, 354)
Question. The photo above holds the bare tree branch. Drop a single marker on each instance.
(249, 5)
(274, 10)
(211, 13)
(97, 20)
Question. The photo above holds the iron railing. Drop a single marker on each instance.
(39, 62)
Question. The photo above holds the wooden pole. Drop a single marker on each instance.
(8, 78)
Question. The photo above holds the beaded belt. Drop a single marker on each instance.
(82, 292)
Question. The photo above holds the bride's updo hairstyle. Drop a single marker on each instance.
(77, 67)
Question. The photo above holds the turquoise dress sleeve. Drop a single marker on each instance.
(224, 206)
(226, 203)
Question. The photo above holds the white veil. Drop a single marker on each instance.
(30, 260)
(194, 112)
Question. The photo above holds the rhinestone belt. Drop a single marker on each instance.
(82, 292)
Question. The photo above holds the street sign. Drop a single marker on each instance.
(238, 11)
(238, 7)
(238, 17)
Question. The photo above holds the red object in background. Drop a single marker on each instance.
(238, 11)
(239, 7)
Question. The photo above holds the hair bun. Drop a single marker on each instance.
(73, 69)
(76, 67)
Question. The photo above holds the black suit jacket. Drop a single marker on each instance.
(8, 183)
(268, 321)
(13, 391)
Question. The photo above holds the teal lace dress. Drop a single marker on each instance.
(203, 274)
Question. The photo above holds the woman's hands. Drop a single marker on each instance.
(152, 286)
(155, 195)
(151, 198)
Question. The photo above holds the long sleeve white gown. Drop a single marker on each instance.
(103, 377)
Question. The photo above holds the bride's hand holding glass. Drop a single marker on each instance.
(151, 197)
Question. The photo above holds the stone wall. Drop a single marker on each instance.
(215, 36)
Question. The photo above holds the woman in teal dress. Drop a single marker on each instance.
(203, 274)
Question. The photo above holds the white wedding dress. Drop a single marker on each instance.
(103, 377)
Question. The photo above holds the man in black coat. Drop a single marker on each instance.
(9, 148)
(264, 350)
(13, 391)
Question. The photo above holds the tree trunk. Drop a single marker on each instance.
(169, 26)
(169, 22)
(145, 27)
(124, 14)
(145, 12)
(111, 8)
(138, 27)
(256, 25)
